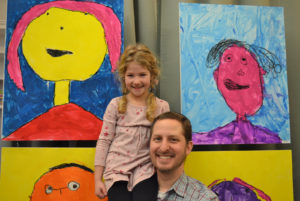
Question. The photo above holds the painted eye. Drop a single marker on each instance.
(228, 58)
(73, 186)
(48, 189)
(244, 61)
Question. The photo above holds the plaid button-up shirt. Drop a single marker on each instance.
(189, 189)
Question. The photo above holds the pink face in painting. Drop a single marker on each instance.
(239, 78)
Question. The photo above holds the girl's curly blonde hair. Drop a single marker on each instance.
(142, 55)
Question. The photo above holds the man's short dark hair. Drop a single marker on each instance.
(183, 120)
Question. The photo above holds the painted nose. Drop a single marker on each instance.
(240, 73)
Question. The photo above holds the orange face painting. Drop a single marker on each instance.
(66, 182)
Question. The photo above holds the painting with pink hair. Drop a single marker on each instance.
(60, 60)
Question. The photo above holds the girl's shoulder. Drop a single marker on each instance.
(161, 102)
(115, 101)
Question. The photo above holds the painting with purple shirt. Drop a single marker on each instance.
(256, 175)
(237, 189)
(233, 74)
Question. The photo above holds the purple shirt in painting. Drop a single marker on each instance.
(237, 132)
(229, 190)
(238, 190)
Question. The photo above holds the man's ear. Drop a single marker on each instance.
(216, 75)
(189, 147)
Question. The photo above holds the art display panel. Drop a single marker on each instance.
(59, 68)
(233, 73)
(267, 174)
(47, 174)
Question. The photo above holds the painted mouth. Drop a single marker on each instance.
(57, 53)
(231, 85)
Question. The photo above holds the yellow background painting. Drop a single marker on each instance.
(22, 167)
(269, 171)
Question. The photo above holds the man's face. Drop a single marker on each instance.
(239, 78)
(168, 147)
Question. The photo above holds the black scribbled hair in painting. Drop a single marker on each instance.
(65, 165)
(266, 59)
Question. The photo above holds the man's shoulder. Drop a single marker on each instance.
(195, 184)
(199, 190)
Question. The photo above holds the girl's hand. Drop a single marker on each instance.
(100, 189)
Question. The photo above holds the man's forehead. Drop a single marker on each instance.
(167, 125)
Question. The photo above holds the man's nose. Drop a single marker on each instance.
(164, 146)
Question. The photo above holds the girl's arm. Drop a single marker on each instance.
(100, 189)
(106, 137)
(107, 133)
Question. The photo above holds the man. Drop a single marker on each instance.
(170, 143)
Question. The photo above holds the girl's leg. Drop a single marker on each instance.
(119, 192)
(146, 190)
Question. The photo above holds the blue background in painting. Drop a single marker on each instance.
(201, 27)
(93, 94)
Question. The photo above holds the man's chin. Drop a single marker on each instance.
(164, 170)
(162, 167)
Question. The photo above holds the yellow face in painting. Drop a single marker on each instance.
(69, 183)
(64, 45)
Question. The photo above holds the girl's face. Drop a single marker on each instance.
(137, 80)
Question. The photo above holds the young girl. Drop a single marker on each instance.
(122, 151)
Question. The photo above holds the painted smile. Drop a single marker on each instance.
(57, 53)
(231, 85)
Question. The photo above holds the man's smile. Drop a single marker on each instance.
(165, 155)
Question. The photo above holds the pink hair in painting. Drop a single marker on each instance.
(109, 20)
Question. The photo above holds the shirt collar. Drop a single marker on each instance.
(180, 185)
